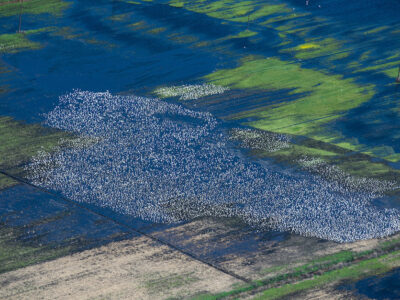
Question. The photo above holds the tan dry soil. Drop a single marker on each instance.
(133, 269)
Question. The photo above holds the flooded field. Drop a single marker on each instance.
(257, 139)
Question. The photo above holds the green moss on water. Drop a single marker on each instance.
(315, 48)
(231, 10)
(381, 67)
(15, 42)
(391, 72)
(157, 30)
(35, 7)
(376, 30)
(244, 34)
(19, 142)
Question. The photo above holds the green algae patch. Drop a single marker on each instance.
(157, 30)
(16, 254)
(19, 142)
(244, 34)
(322, 97)
(317, 48)
(120, 17)
(34, 7)
(376, 30)
(15, 42)
(231, 10)
(392, 72)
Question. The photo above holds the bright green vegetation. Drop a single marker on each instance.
(231, 10)
(316, 48)
(380, 67)
(244, 34)
(377, 29)
(19, 142)
(34, 7)
(332, 268)
(392, 72)
(16, 254)
(11, 43)
(322, 97)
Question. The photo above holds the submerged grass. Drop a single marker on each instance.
(322, 97)
(16, 254)
(19, 142)
(232, 10)
(34, 7)
(316, 48)
(15, 42)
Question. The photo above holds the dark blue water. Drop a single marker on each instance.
(377, 287)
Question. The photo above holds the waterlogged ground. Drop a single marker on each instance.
(256, 142)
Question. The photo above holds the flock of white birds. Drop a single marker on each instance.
(190, 91)
(159, 161)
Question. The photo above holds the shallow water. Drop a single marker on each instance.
(377, 287)
(91, 47)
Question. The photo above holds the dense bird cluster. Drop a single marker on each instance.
(334, 173)
(260, 140)
(159, 161)
(190, 92)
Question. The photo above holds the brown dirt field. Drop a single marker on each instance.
(132, 269)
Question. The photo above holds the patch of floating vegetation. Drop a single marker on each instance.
(232, 10)
(139, 25)
(322, 97)
(67, 33)
(329, 269)
(190, 92)
(120, 17)
(182, 38)
(157, 30)
(380, 66)
(35, 7)
(243, 34)
(316, 48)
(151, 155)
(19, 142)
(15, 42)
